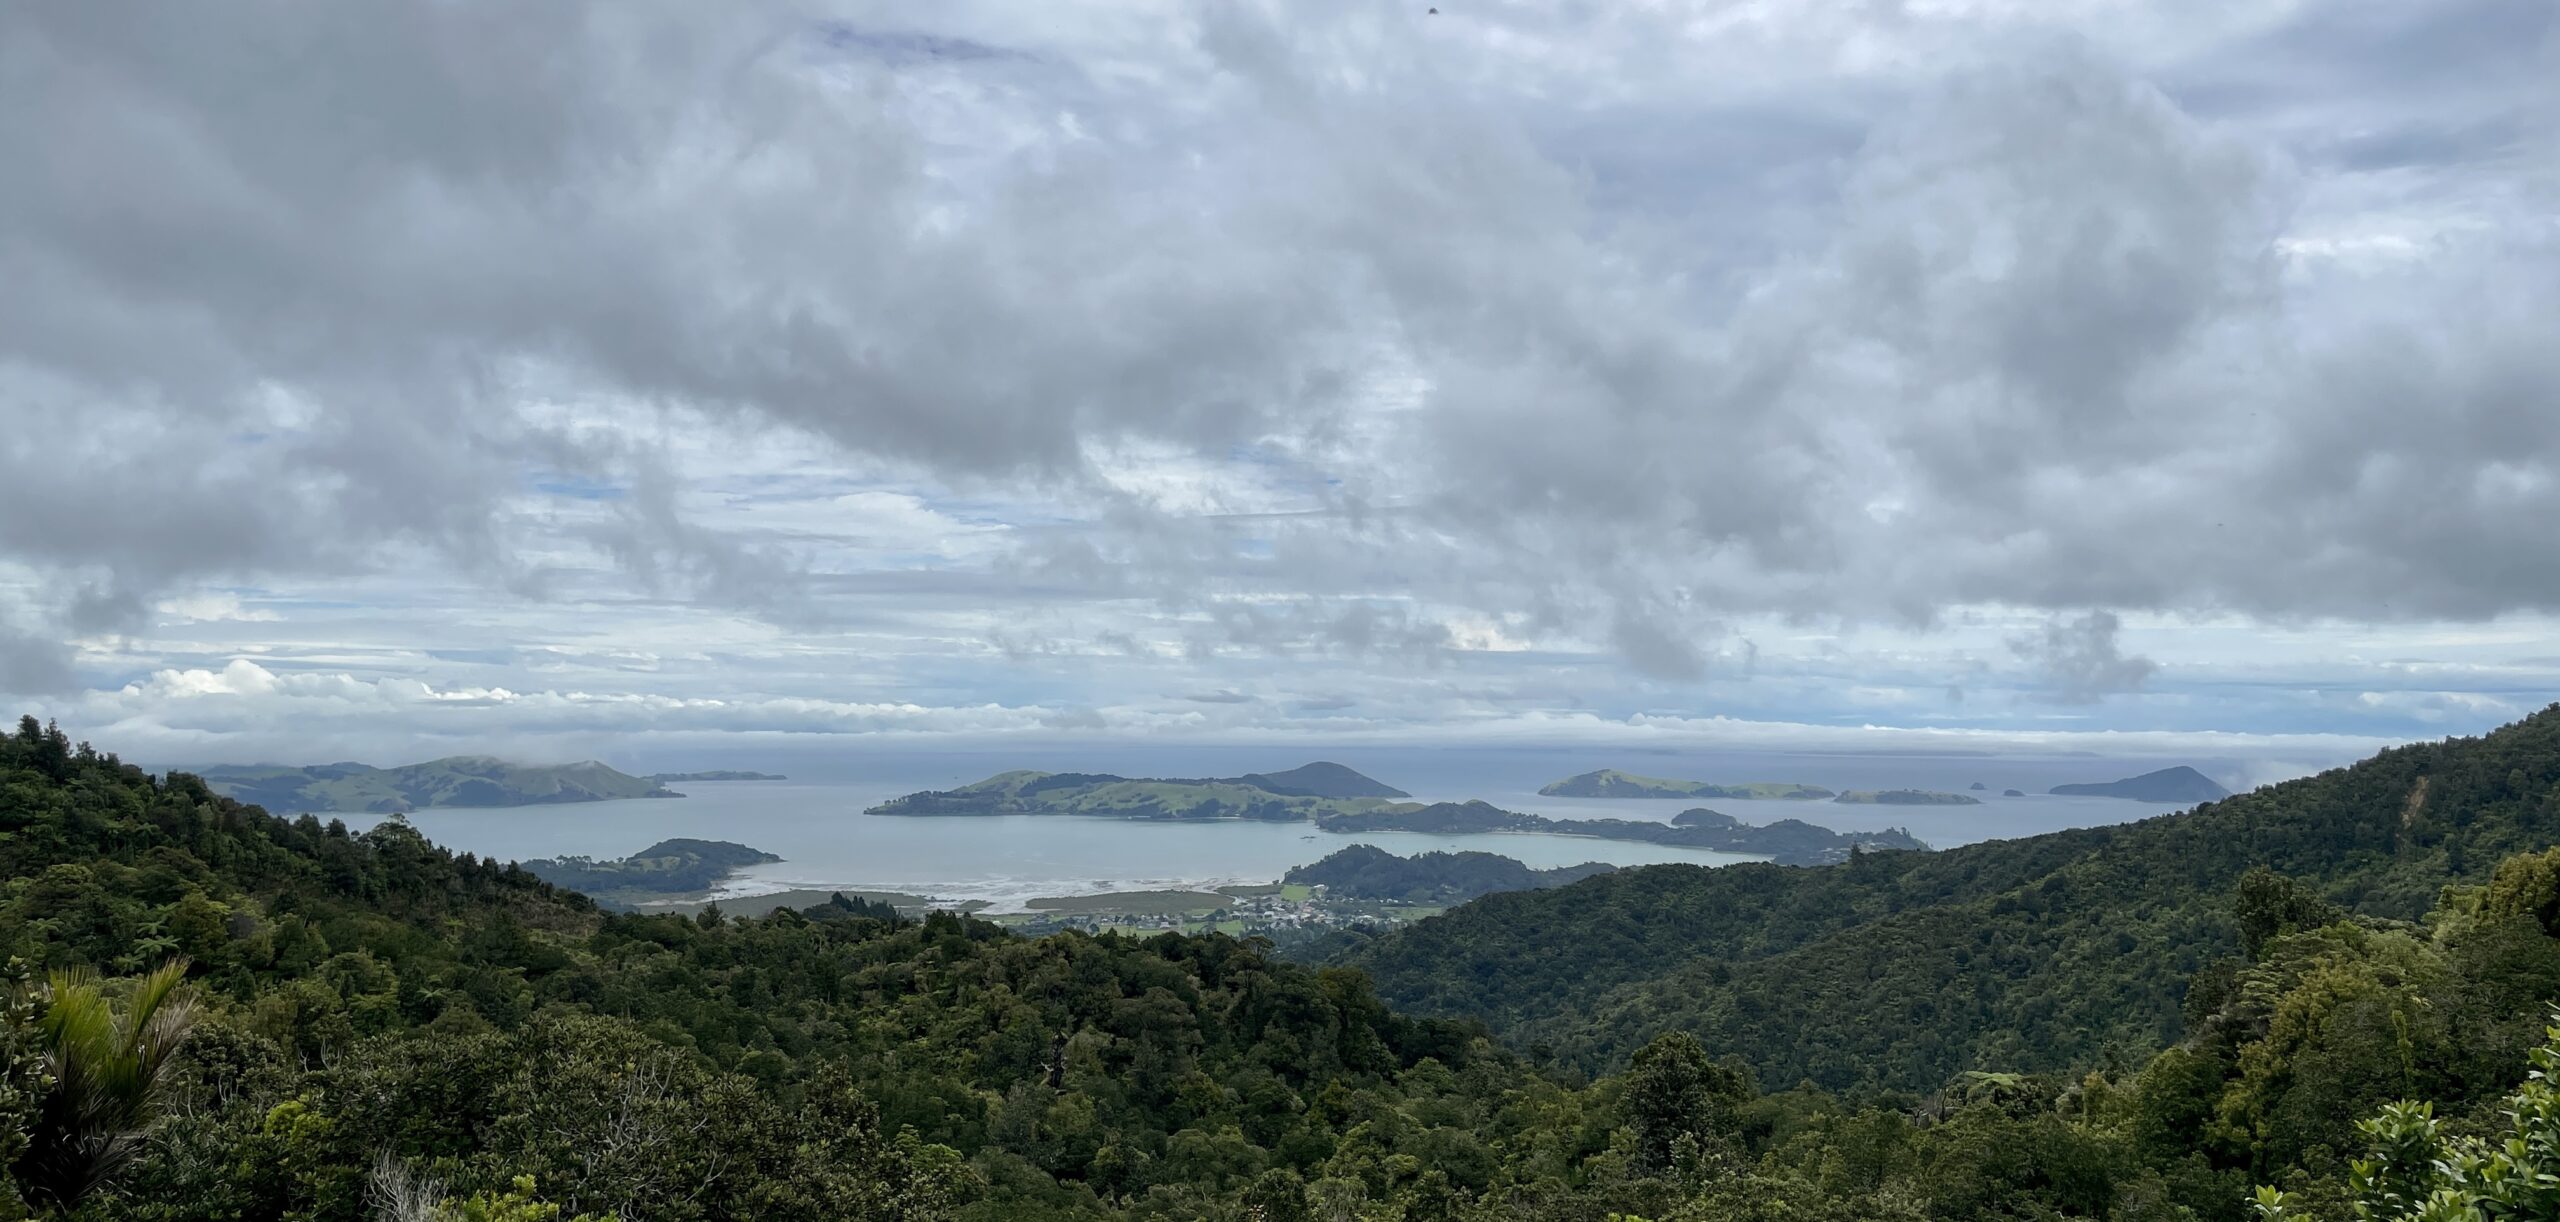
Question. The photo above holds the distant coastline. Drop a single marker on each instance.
(461, 780)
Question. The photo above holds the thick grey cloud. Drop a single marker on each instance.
(1313, 330)
(2079, 660)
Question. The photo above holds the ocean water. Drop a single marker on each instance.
(815, 821)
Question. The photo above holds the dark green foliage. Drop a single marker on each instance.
(372, 993)
(2267, 903)
(375, 1013)
(1674, 1095)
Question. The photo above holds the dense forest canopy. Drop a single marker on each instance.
(1898, 969)
(222, 1014)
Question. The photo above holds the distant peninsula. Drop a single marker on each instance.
(462, 780)
(1297, 794)
(2179, 784)
(1906, 797)
(667, 868)
(1611, 783)
(1366, 872)
(1787, 841)
(716, 774)
(1338, 799)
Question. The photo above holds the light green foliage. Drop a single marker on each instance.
(108, 1067)
(519, 1203)
(2525, 886)
(2416, 1172)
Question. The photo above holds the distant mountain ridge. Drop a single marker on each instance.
(460, 780)
(715, 774)
(1611, 783)
(2179, 784)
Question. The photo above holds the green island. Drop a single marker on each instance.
(2179, 784)
(669, 868)
(1611, 783)
(1337, 799)
(1299, 793)
(1906, 797)
(716, 774)
(2326, 999)
(461, 780)
(1786, 841)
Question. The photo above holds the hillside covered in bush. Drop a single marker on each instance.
(221, 1014)
(1895, 970)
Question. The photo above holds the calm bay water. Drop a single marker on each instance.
(828, 842)
(816, 822)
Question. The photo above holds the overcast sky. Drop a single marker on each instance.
(2060, 374)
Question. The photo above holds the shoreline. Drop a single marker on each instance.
(1010, 897)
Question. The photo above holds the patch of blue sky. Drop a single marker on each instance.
(908, 46)
(579, 488)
